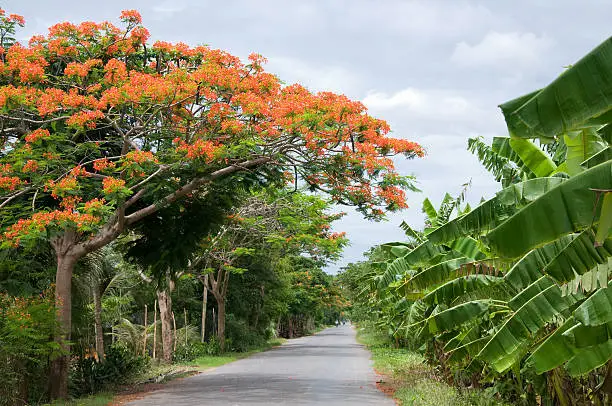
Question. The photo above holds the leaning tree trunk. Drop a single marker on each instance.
(204, 304)
(98, 323)
(165, 311)
(58, 385)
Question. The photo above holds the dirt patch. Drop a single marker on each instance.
(386, 384)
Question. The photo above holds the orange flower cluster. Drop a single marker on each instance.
(64, 186)
(198, 149)
(36, 135)
(9, 182)
(112, 185)
(101, 165)
(81, 69)
(140, 157)
(393, 195)
(94, 205)
(39, 222)
(30, 166)
(85, 118)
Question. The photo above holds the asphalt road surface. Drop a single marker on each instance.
(329, 368)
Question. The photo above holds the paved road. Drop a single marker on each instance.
(329, 368)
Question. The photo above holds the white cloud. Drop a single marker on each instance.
(503, 50)
(167, 9)
(441, 104)
(314, 76)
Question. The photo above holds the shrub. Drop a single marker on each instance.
(189, 352)
(240, 337)
(89, 376)
(27, 327)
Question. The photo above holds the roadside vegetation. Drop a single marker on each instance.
(512, 296)
(157, 209)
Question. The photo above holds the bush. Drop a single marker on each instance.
(213, 347)
(27, 327)
(190, 352)
(120, 364)
(240, 337)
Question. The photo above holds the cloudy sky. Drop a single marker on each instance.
(434, 69)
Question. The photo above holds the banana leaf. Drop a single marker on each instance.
(436, 274)
(529, 268)
(554, 351)
(492, 212)
(564, 209)
(534, 158)
(460, 286)
(581, 93)
(581, 336)
(589, 358)
(597, 309)
(452, 318)
(581, 145)
(512, 339)
(578, 257)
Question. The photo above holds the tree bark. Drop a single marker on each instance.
(218, 287)
(165, 312)
(221, 323)
(204, 304)
(144, 340)
(58, 385)
(98, 322)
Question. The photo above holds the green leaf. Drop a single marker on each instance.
(581, 336)
(529, 268)
(597, 309)
(452, 318)
(437, 273)
(423, 253)
(578, 257)
(564, 209)
(469, 247)
(554, 351)
(602, 156)
(501, 145)
(460, 286)
(605, 220)
(582, 92)
(581, 145)
(589, 358)
(534, 158)
(490, 213)
(430, 211)
(512, 339)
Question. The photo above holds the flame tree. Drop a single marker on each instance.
(101, 129)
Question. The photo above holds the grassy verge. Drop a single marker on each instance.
(100, 399)
(212, 361)
(409, 379)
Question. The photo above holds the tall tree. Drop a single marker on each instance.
(282, 221)
(101, 130)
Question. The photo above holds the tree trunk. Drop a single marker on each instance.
(58, 385)
(144, 340)
(204, 304)
(154, 329)
(98, 322)
(221, 323)
(165, 312)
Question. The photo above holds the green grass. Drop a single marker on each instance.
(213, 361)
(410, 378)
(100, 399)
